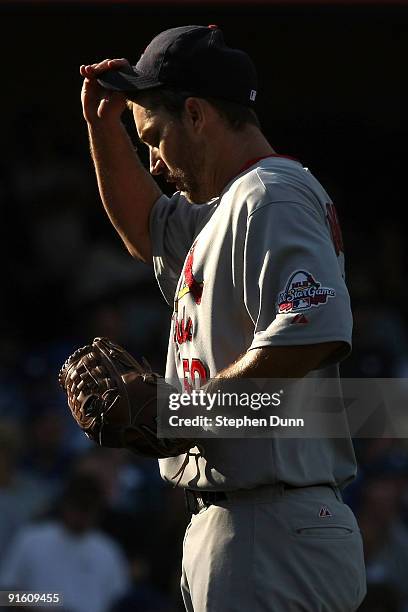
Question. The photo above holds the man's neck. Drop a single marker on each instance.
(234, 152)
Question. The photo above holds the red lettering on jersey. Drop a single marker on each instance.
(183, 330)
(194, 375)
(195, 287)
(335, 228)
(198, 368)
(186, 372)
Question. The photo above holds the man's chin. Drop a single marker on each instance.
(193, 198)
(189, 196)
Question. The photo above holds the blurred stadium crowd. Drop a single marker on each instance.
(98, 524)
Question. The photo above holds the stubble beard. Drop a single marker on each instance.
(187, 184)
(189, 178)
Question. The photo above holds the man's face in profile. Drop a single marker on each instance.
(172, 152)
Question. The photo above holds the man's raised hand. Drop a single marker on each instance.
(100, 104)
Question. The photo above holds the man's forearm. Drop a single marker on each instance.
(281, 361)
(127, 190)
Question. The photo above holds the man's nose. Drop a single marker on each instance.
(157, 165)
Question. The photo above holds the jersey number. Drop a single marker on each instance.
(194, 374)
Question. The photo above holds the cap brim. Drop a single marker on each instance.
(126, 79)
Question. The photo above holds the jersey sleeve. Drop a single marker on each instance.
(294, 290)
(174, 223)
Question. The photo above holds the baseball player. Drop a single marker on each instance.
(248, 254)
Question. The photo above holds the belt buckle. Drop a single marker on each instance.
(211, 497)
(192, 504)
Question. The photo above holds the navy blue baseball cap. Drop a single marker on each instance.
(194, 59)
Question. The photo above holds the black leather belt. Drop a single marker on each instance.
(198, 500)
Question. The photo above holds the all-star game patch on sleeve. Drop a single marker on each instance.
(293, 278)
(174, 223)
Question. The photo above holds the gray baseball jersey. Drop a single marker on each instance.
(262, 265)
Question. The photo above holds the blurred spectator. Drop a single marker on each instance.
(380, 339)
(69, 555)
(131, 484)
(384, 534)
(12, 402)
(46, 459)
(19, 499)
(142, 596)
(377, 458)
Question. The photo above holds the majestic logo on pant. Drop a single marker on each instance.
(302, 292)
(324, 512)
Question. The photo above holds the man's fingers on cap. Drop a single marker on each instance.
(90, 70)
(118, 62)
(101, 66)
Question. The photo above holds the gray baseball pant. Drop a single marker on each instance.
(274, 550)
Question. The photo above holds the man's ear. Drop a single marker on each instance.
(197, 113)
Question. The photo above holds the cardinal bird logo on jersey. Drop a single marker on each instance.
(183, 328)
(302, 292)
(190, 284)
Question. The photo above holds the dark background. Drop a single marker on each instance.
(333, 94)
